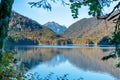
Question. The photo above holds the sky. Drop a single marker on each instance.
(59, 14)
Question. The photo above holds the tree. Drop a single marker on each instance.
(5, 12)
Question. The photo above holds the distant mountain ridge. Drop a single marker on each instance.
(57, 28)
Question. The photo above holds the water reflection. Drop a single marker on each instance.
(84, 63)
(115, 55)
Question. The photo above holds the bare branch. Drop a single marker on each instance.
(108, 15)
(114, 16)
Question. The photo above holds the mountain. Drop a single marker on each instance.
(56, 27)
(89, 30)
(25, 31)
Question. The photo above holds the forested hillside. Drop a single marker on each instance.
(89, 30)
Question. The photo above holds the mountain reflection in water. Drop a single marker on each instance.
(84, 63)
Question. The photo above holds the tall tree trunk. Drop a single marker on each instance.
(5, 12)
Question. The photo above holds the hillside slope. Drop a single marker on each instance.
(89, 30)
(23, 29)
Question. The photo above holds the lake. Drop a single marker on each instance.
(77, 63)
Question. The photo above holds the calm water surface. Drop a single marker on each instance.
(75, 62)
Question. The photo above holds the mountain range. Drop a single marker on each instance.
(57, 28)
(26, 31)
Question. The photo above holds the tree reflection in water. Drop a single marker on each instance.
(115, 55)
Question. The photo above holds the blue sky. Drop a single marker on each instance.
(60, 14)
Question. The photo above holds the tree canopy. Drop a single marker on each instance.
(96, 7)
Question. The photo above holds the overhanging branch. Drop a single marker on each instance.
(108, 15)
